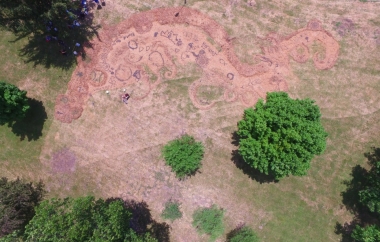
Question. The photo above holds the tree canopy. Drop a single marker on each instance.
(45, 21)
(366, 234)
(279, 137)
(368, 189)
(31, 16)
(13, 103)
(82, 219)
(369, 195)
(17, 201)
(184, 155)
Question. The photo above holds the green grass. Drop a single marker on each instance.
(18, 157)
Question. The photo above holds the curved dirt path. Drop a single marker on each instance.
(147, 49)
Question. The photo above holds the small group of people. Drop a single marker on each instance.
(98, 3)
(125, 97)
(73, 17)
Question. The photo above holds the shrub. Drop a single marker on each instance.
(209, 221)
(282, 135)
(184, 155)
(243, 234)
(171, 211)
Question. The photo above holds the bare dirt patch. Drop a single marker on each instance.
(63, 161)
(159, 41)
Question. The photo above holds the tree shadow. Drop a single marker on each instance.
(142, 222)
(31, 125)
(58, 49)
(160, 231)
(373, 156)
(345, 230)
(239, 162)
(351, 199)
(141, 216)
(47, 54)
(235, 231)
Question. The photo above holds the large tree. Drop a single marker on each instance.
(279, 137)
(17, 201)
(31, 16)
(369, 194)
(370, 233)
(13, 103)
(369, 198)
(56, 20)
(82, 219)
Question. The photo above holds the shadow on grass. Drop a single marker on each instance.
(239, 162)
(40, 52)
(142, 221)
(351, 199)
(31, 125)
(234, 232)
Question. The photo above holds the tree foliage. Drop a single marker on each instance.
(369, 197)
(17, 201)
(82, 219)
(31, 16)
(184, 155)
(282, 135)
(171, 211)
(38, 19)
(243, 234)
(13, 103)
(366, 234)
(370, 194)
(209, 221)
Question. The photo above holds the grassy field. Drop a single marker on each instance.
(117, 148)
(21, 144)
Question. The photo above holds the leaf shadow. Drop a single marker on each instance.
(47, 53)
(351, 199)
(142, 222)
(32, 124)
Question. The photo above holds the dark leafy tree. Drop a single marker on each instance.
(184, 155)
(242, 234)
(369, 197)
(17, 201)
(370, 194)
(82, 219)
(30, 16)
(13, 103)
(366, 234)
(279, 137)
(172, 211)
(363, 200)
(209, 221)
(38, 19)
